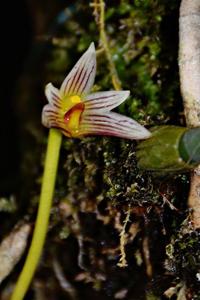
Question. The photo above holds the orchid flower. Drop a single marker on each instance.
(77, 112)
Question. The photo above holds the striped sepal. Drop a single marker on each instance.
(104, 101)
(53, 95)
(81, 78)
(112, 124)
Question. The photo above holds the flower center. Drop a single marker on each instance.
(69, 102)
(73, 108)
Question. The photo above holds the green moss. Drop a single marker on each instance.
(8, 204)
(185, 259)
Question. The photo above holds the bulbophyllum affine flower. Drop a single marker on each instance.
(77, 112)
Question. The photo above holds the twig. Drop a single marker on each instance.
(189, 63)
(123, 240)
(146, 252)
(100, 5)
(64, 283)
(12, 248)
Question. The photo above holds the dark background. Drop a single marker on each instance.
(16, 38)
(22, 24)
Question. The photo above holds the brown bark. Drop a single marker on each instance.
(189, 64)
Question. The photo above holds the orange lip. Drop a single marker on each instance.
(72, 118)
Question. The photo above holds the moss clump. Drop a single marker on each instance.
(126, 185)
(184, 259)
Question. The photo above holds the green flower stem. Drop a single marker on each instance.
(41, 226)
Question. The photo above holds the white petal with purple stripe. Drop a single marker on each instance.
(104, 101)
(112, 124)
(81, 78)
(51, 118)
(53, 95)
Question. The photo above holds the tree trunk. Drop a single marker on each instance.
(189, 64)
